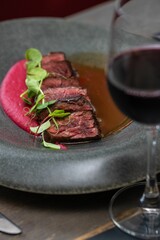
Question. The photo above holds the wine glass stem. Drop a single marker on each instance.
(150, 199)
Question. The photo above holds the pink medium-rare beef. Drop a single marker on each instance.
(79, 126)
(53, 56)
(64, 93)
(59, 69)
(52, 82)
(74, 104)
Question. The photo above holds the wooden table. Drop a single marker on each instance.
(50, 217)
(44, 217)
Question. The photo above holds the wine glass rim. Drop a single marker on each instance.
(119, 3)
(118, 6)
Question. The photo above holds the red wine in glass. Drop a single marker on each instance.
(137, 91)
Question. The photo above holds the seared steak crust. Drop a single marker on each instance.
(59, 68)
(53, 56)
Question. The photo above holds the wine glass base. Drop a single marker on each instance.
(131, 217)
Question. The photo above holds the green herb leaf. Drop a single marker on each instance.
(45, 104)
(24, 97)
(41, 128)
(31, 93)
(39, 98)
(33, 54)
(51, 145)
(37, 73)
(57, 111)
(59, 114)
(32, 64)
(33, 85)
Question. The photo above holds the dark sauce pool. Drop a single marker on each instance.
(93, 79)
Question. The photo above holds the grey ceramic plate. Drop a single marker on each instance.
(115, 161)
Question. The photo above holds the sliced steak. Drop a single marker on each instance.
(62, 85)
(79, 126)
(64, 93)
(53, 56)
(51, 82)
(59, 68)
(74, 104)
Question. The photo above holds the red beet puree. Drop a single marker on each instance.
(12, 86)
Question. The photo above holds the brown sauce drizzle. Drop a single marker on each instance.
(93, 79)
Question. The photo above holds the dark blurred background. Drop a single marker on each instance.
(10, 9)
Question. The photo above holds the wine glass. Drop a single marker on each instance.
(134, 84)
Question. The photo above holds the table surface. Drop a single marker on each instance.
(50, 217)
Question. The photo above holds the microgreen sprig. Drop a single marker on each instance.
(57, 114)
(35, 75)
(50, 145)
(33, 57)
(47, 124)
(39, 129)
(45, 105)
